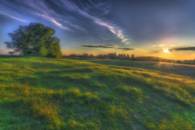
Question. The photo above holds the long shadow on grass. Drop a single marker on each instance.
(61, 78)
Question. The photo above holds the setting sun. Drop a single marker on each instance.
(166, 50)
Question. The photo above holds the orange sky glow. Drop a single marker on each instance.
(137, 52)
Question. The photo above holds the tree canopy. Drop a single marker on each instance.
(35, 40)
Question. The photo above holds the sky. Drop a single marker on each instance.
(164, 28)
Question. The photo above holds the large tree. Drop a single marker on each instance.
(35, 40)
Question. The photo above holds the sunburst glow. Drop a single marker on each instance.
(166, 51)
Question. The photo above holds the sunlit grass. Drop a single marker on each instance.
(40, 93)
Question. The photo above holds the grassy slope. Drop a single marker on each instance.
(38, 93)
(182, 69)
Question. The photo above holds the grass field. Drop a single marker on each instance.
(73, 94)
(176, 68)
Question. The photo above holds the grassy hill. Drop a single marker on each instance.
(67, 94)
(169, 67)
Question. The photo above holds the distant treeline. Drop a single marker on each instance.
(128, 57)
(102, 56)
(117, 56)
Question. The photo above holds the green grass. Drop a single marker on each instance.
(49, 94)
(175, 68)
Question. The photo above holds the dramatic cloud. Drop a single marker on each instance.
(113, 29)
(97, 46)
(108, 47)
(121, 22)
(192, 48)
(61, 12)
(125, 49)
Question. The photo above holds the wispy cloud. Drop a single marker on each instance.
(14, 17)
(37, 8)
(115, 30)
(41, 9)
(54, 21)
